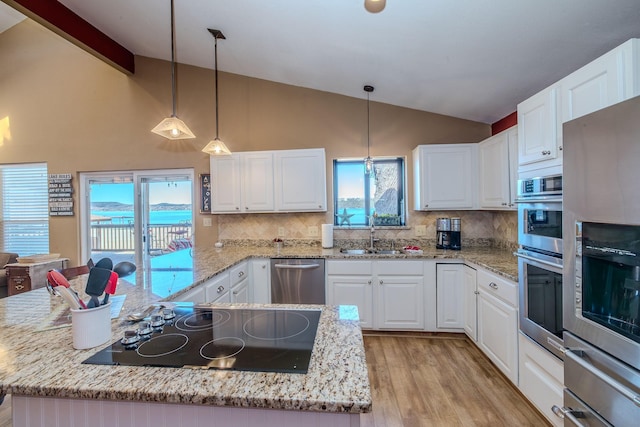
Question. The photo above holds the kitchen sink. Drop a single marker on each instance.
(369, 251)
(355, 251)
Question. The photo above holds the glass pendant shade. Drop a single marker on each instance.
(368, 165)
(216, 147)
(374, 6)
(173, 128)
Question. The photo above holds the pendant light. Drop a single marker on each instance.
(374, 6)
(216, 147)
(368, 162)
(172, 127)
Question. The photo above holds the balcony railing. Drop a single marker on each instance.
(121, 237)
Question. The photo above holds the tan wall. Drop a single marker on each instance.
(78, 114)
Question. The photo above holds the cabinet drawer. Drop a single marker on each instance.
(345, 267)
(499, 287)
(239, 273)
(401, 268)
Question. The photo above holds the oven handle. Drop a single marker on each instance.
(570, 414)
(541, 261)
(540, 199)
(576, 356)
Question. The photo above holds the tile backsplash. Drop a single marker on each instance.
(479, 228)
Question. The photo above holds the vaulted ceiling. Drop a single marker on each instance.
(473, 59)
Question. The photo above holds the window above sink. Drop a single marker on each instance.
(359, 196)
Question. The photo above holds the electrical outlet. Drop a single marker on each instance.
(313, 231)
(206, 222)
(421, 230)
(280, 231)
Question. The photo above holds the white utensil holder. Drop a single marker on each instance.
(91, 327)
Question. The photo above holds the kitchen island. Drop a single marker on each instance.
(50, 385)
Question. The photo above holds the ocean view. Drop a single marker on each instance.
(155, 217)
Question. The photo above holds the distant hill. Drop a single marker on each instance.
(117, 206)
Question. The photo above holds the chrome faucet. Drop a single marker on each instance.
(372, 232)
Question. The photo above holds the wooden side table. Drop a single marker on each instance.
(22, 277)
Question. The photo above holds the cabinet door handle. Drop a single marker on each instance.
(560, 148)
(237, 208)
(235, 292)
(19, 287)
(476, 292)
(369, 282)
(264, 266)
(492, 285)
(220, 289)
(381, 282)
(241, 273)
(426, 206)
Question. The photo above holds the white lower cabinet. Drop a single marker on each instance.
(541, 378)
(470, 303)
(388, 294)
(498, 322)
(261, 280)
(217, 289)
(239, 282)
(449, 296)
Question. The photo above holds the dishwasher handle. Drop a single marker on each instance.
(297, 266)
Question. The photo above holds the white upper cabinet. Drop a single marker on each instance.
(269, 181)
(537, 128)
(612, 78)
(301, 181)
(242, 182)
(445, 176)
(226, 184)
(257, 184)
(498, 167)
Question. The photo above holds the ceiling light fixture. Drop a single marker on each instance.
(216, 147)
(368, 162)
(172, 127)
(374, 6)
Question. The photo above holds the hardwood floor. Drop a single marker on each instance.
(423, 380)
(439, 381)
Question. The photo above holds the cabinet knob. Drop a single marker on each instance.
(476, 292)
(503, 204)
(369, 282)
(237, 208)
(241, 273)
(560, 148)
(381, 282)
(220, 289)
(492, 285)
(264, 266)
(19, 287)
(235, 292)
(426, 206)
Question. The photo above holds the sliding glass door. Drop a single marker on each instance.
(144, 217)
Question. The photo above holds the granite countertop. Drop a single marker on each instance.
(43, 363)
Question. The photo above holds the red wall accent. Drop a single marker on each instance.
(63, 21)
(504, 123)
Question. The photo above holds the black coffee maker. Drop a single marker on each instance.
(443, 233)
(455, 241)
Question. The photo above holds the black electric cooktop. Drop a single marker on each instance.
(203, 337)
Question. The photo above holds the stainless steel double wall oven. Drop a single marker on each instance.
(540, 260)
(601, 223)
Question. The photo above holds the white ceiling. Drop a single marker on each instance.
(474, 59)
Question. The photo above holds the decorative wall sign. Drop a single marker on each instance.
(60, 194)
(205, 193)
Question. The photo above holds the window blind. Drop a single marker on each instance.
(24, 221)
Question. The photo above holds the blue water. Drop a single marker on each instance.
(155, 217)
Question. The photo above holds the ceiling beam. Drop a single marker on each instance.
(64, 22)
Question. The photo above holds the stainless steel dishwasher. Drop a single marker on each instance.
(297, 281)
